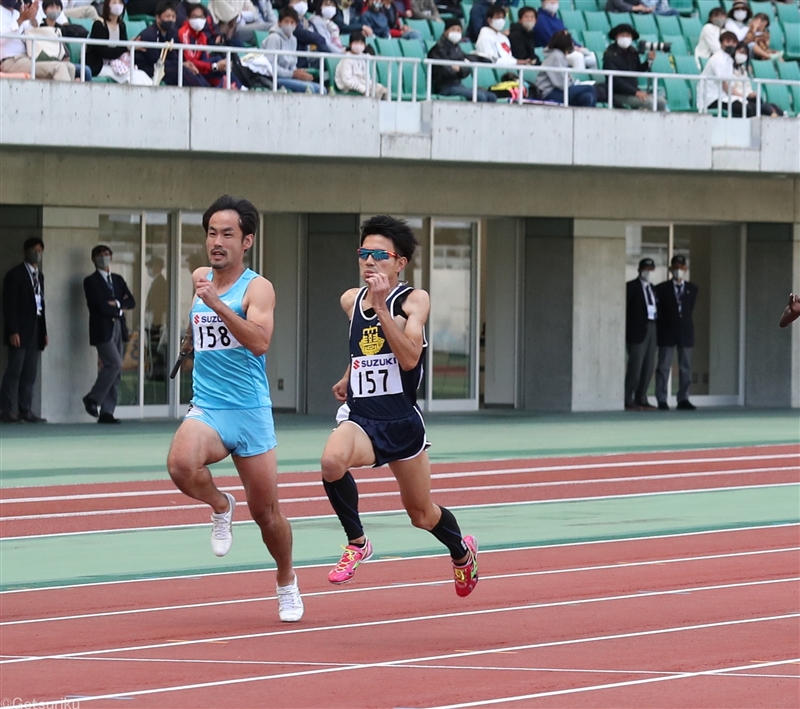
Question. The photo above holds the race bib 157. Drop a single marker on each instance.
(375, 376)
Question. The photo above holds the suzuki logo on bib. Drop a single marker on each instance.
(371, 342)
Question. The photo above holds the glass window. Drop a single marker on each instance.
(193, 256)
(122, 233)
(156, 308)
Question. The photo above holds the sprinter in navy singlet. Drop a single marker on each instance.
(379, 422)
(231, 412)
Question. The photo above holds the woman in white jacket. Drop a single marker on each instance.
(353, 74)
(709, 36)
(493, 43)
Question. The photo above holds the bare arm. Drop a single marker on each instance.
(792, 311)
(347, 301)
(407, 342)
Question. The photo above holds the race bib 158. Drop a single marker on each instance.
(375, 376)
(210, 333)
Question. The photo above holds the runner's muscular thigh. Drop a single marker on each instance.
(194, 446)
(348, 447)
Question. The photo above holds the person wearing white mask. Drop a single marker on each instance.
(709, 36)
(200, 31)
(738, 19)
(641, 310)
(290, 75)
(353, 72)
(493, 42)
(110, 61)
(548, 23)
(674, 327)
(623, 55)
(322, 22)
(14, 58)
(447, 78)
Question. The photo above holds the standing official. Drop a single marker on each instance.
(107, 297)
(676, 299)
(25, 333)
(640, 336)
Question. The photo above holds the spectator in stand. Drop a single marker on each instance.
(308, 39)
(384, 20)
(493, 42)
(198, 29)
(162, 31)
(623, 56)
(548, 23)
(348, 18)
(551, 84)
(14, 57)
(52, 11)
(109, 61)
(739, 20)
(447, 79)
(624, 6)
(322, 22)
(353, 72)
(758, 37)
(709, 35)
(282, 37)
(248, 18)
(659, 7)
(522, 38)
(425, 10)
(730, 67)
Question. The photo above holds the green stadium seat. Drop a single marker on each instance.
(662, 64)
(513, 13)
(619, 18)
(596, 42)
(587, 5)
(388, 47)
(788, 13)
(597, 22)
(467, 47)
(764, 69)
(645, 24)
(685, 7)
(147, 19)
(679, 95)
(776, 37)
(539, 52)
(679, 46)
(779, 95)
(685, 65)
(691, 27)
(573, 19)
(331, 62)
(728, 5)
(420, 26)
(135, 28)
(649, 37)
(668, 25)
(486, 77)
(704, 7)
(766, 7)
(415, 51)
(792, 45)
(261, 37)
(692, 41)
(437, 28)
(466, 8)
(86, 24)
(790, 71)
(428, 46)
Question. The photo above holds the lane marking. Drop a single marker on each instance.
(533, 547)
(393, 586)
(413, 619)
(612, 685)
(457, 474)
(473, 653)
(396, 493)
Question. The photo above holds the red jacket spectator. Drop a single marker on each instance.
(200, 58)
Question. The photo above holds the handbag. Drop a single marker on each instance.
(48, 49)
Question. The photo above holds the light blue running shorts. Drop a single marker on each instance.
(244, 432)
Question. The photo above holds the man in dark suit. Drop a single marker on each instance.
(640, 336)
(25, 333)
(107, 296)
(676, 299)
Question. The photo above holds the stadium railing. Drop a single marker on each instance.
(393, 72)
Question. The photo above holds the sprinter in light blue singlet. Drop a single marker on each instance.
(231, 412)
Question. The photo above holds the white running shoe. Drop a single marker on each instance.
(290, 605)
(221, 533)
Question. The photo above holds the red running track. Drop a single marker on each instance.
(29, 511)
(622, 624)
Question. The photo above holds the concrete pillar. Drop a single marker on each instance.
(795, 348)
(769, 350)
(598, 315)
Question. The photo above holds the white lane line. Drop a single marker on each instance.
(394, 586)
(613, 685)
(413, 619)
(375, 560)
(472, 653)
(458, 474)
(396, 493)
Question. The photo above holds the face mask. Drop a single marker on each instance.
(103, 262)
(551, 7)
(454, 37)
(52, 15)
(328, 12)
(528, 26)
(729, 49)
(679, 273)
(740, 15)
(167, 25)
(33, 257)
(624, 42)
(288, 30)
(116, 9)
(301, 8)
(719, 21)
(197, 23)
(498, 24)
(644, 275)
(740, 58)
(357, 48)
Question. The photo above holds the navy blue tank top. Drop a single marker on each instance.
(379, 388)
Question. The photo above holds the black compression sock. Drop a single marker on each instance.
(343, 495)
(449, 534)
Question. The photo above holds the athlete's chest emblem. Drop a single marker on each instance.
(371, 342)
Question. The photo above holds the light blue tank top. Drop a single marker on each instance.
(226, 375)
